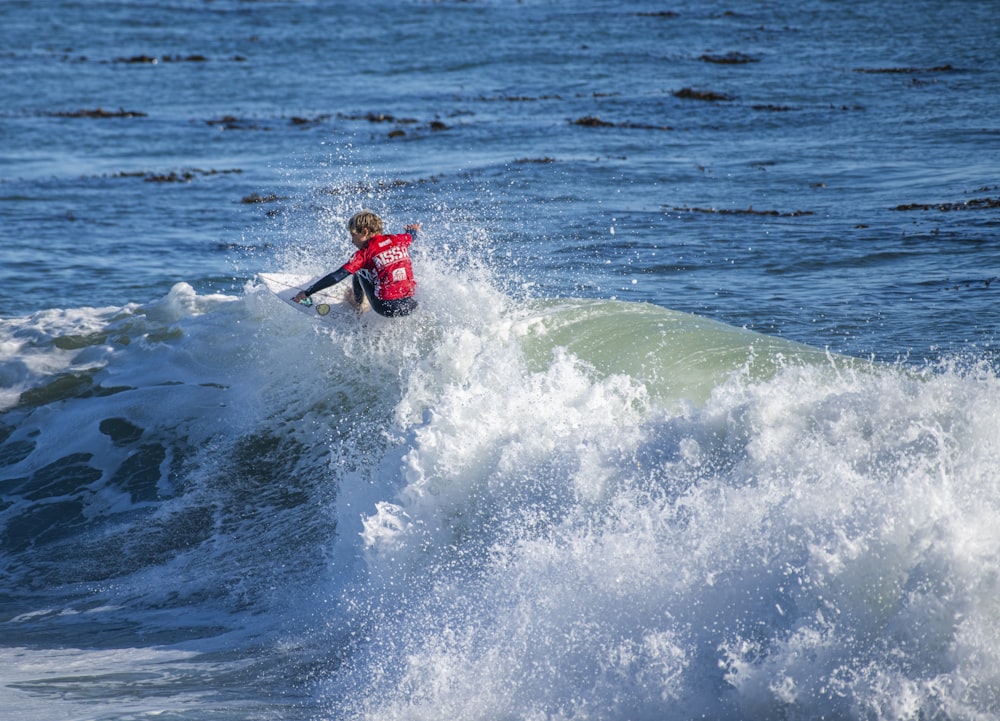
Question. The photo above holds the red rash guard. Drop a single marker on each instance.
(386, 259)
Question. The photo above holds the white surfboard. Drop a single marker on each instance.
(328, 304)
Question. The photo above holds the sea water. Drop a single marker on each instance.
(698, 418)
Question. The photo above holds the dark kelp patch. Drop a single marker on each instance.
(905, 71)
(174, 176)
(398, 132)
(970, 284)
(231, 122)
(972, 204)
(298, 120)
(515, 98)
(434, 126)
(185, 176)
(152, 60)
(592, 121)
(705, 95)
(66, 56)
(258, 199)
(373, 117)
(534, 98)
(732, 58)
(744, 211)
(98, 113)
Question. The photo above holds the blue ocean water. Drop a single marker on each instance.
(698, 418)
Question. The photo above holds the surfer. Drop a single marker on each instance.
(381, 268)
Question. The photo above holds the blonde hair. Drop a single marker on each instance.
(365, 221)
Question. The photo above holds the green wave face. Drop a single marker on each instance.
(678, 356)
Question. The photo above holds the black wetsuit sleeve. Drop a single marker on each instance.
(327, 280)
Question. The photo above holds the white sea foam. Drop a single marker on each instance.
(554, 544)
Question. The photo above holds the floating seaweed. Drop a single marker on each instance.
(231, 122)
(298, 120)
(972, 204)
(172, 177)
(733, 58)
(516, 98)
(255, 198)
(183, 176)
(591, 121)
(903, 71)
(744, 211)
(151, 60)
(644, 126)
(691, 94)
(100, 113)
(968, 284)
(138, 60)
(373, 117)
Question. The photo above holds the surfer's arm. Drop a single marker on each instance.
(325, 282)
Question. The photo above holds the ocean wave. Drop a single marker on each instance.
(535, 509)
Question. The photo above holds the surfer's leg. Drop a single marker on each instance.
(394, 308)
(398, 308)
(388, 308)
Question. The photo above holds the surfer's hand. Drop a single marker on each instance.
(300, 297)
(412, 227)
